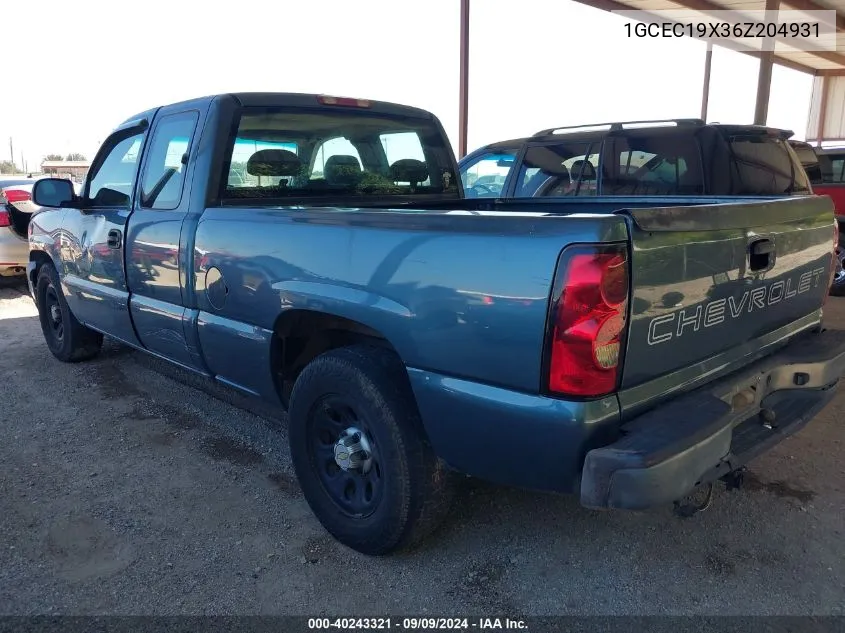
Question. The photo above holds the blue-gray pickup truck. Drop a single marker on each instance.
(317, 252)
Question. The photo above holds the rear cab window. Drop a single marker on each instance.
(331, 152)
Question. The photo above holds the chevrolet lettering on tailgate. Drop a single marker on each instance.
(668, 326)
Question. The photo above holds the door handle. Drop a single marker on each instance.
(113, 240)
(761, 255)
(762, 247)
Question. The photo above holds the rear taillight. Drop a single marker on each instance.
(588, 321)
(4, 218)
(17, 195)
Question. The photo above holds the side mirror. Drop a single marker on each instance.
(53, 193)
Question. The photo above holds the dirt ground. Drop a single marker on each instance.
(129, 487)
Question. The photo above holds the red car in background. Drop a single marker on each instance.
(826, 170)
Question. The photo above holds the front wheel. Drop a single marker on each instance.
(67, 339)
(360, 453)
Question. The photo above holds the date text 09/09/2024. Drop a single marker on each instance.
(415, 624)
(724, 30)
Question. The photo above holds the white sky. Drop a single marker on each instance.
(84, 66)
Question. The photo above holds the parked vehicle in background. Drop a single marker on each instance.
(826, 170)
(318, 252)
(16, 208)
(682, 157)
(652, 159)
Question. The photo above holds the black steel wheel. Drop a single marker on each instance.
(361, 454)
(67, 339)
(345, 455)
(54, 315)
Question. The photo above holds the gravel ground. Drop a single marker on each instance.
(129, 487)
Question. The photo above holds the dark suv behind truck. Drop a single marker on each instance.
(681, 157)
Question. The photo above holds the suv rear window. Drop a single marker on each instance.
(765, 166)
(281, 153)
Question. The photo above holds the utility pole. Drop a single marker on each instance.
(11, 151)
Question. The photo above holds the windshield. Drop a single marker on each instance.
(326, 153)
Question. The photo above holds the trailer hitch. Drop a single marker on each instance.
(688, 506)
(735, 479)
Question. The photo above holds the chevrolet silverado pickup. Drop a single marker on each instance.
(318, 252)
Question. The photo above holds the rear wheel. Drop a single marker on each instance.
(360, 453)
(67, 339)
(837, 288)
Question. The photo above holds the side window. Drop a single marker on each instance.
(659, 165)
(335, 156)
(836, 168)
(111, 184)
(485, 178)
(562, 169)
(164, 173)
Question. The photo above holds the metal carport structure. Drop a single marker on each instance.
(827, 112)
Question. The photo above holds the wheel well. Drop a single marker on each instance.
(299, 336)
(40, 258)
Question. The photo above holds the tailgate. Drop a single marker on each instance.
(709, 278)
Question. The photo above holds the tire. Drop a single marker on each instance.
(67, 339)
(365, 389)
(837, 288)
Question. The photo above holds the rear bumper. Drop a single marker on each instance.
(14, 253)
(696, 438)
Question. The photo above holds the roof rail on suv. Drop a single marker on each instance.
(620, 125)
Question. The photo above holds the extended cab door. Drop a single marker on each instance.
(156, 244)
(92, 260)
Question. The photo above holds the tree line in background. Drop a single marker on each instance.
(74, 156)
(8, 167)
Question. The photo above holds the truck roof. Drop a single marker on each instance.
(294, 99)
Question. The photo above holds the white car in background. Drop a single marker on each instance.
(16, 209)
